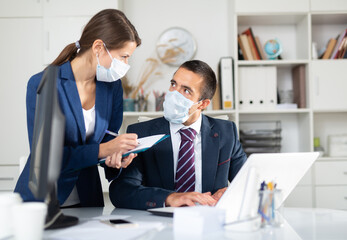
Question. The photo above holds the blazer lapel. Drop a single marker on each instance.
(210, 154)
(101, 110)
(164, 156)
(72, 95)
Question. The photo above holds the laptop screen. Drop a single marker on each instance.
(285, 169)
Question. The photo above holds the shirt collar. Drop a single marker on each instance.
(196, 126)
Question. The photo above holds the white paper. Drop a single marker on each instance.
(146, 142)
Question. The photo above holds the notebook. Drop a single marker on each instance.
(285, 169)
(144, 144)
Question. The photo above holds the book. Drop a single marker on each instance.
(299, 86)
(144, 144)
(337, 45)
(226, 79)
(242, 47)
(260, 48)
(248, 52)
(253, 50)
(329, 49)
(253, 45)
(342, 48)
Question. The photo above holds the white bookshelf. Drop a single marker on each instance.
(326, 87)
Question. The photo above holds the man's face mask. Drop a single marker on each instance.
(176, 107)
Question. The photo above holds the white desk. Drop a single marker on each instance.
(303, 224)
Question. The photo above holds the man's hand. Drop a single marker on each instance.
(217, 195)
(189, 199)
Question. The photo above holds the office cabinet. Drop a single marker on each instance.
(334, 197)
(68, 8)
(329, 84)
(331, 184)
(256, 6)
(20, 8)
(8, 177)
(21, 57)
(331, 173)
(328, 6)
(59, 32)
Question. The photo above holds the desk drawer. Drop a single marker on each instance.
(306, 179)
(334, 197)
(8, 177)
(331, 173)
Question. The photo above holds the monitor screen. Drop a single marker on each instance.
(48, 137)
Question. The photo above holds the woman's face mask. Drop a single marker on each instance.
(176, 107)
(117, 70)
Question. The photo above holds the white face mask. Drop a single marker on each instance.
(116, 71)
(176, 107)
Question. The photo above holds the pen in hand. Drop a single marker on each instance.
(111, 133)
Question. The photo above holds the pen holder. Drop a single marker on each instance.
(269, 210)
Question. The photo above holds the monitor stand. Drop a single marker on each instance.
(55, 218)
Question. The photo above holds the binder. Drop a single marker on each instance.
(216, 100)
(257, 88)
(299, 85)
(226, 79)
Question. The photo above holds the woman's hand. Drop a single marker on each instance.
(120, 145)
(116, 160)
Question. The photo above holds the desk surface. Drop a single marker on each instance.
(299, 223)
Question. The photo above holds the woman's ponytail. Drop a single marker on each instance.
(68, 53)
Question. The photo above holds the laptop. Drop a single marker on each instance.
(241, 197)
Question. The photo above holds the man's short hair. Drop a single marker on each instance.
(209, 77)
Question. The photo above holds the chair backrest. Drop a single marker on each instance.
(144, 119)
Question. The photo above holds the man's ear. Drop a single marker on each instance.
(204, 104)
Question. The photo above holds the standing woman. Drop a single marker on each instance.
(91, 97)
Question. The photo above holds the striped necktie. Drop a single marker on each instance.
(185, 173)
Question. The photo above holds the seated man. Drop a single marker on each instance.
(197, 160)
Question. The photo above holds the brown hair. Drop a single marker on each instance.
(109, 25)
(203, 70)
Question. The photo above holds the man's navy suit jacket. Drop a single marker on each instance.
(148, 181)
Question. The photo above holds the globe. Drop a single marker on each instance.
(273, 48)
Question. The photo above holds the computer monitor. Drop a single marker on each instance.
(47, 149)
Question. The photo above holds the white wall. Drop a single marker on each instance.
(206, 20)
